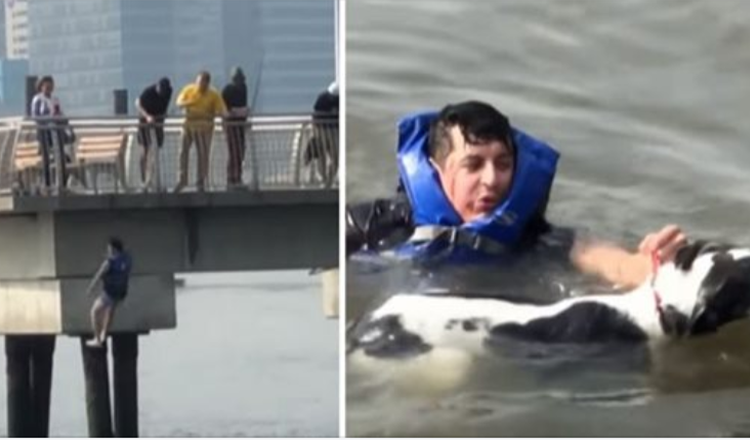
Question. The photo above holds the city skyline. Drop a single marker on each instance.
(92, 47)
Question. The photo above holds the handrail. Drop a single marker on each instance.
(279, 150)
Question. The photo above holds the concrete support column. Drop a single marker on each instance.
(29, 381)
(96, 374)
(18, 373)
(125, 355)
(42, 353)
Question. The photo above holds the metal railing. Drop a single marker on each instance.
(281, 152)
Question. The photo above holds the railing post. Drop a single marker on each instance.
(157, 162)
(253, 160)
(296, 161)
(59, 160)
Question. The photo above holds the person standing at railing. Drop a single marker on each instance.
(46, 109)
(323, 146)
(202, 103)
(152, 106)
(235, 97)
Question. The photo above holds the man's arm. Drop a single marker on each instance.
(143, 111)
(367, 224)
(185, 98)
(165, 106)
(102, 269)
(219, 106)
(243, 110)
(36, 107)
(624, 268)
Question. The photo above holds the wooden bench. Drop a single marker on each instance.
(105, 151)
(27, 162)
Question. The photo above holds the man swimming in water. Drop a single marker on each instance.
(472, 188)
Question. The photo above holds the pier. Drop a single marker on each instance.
(52, 240)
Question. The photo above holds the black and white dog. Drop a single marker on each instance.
(705, 287)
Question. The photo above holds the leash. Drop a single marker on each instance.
(655, 263)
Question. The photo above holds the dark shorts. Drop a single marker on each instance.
(110, 300)
(145, 130)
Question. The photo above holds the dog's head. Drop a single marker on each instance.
(705, 287)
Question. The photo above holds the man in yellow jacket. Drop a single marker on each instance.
(202, 103)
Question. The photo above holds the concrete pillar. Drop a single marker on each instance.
(42, 352)
(18, 355)
(29, 379)
(98, 407)
(125, 355)
(330, 284)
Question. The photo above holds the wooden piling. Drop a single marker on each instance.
(29, 382)
(98, 407)
(42, 352)
(19, 410)
(125, 356)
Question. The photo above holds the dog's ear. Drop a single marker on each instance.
(687, 254)
(721, 296)
(723, 267)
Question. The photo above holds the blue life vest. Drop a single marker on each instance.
(115, 279)
(535, 165)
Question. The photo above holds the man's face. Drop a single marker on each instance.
(202, 82)
(475, 177)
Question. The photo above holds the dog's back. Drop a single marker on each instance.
(707, 286)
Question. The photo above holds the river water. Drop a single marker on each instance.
(252, 355)
(647, 102)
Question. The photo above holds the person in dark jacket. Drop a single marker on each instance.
(114, 273)
(324, 145)
(235, 98)
(152, 106)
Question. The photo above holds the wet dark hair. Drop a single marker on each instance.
(116, 244)
(40, 82)
(479, 123)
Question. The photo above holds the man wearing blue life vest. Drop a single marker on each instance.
(114, 274)
(473, 189)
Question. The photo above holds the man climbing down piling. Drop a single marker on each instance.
(114, 274)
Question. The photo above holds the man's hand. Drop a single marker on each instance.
(625, 268)
(665, 242)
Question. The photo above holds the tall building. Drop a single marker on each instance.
(13, 87)
(298, 54)
(16, 19)
(3, 44)
(92, 47)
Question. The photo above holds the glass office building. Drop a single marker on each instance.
(298, 55)
(93, 47)
(12, 87)
(15, 35)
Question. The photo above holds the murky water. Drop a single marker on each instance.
(647, 101)
(252, 356)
